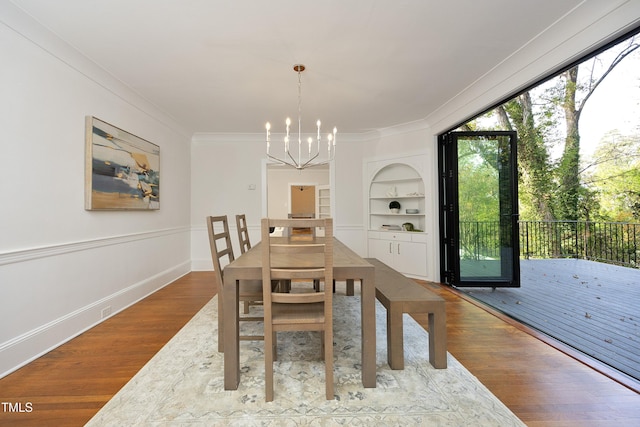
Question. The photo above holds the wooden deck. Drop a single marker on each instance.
(590, 306)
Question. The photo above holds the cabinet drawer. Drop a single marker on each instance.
(400, 237)
(419, 238)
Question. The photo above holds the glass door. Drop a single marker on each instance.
(479, 209)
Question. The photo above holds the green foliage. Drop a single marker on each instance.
(615, 176)
(477, 169)
(534, 165)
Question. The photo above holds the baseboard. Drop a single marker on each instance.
(29, 346)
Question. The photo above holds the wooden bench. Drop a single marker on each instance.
(399, 295)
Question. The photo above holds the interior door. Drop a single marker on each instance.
(479, 209)
(303, 199)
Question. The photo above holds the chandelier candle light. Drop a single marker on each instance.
(289, 158)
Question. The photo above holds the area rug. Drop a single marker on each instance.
(183, 383)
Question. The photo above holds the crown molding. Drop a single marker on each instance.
(372, 135)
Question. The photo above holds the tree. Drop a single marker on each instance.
(615, 173)
(576, 93)
(549, 189)
(533, 157)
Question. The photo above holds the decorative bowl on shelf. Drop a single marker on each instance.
(394, 207)
(412, 211)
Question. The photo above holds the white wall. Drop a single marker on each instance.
(60, 265)
(349, 208)
(403, 143)
(222, 169)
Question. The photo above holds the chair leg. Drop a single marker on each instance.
(246, 307)
(269, 339)
(274, 347)
(328, 362)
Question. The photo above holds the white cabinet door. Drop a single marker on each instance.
(383, 250)
(406, 257)
(411, 258)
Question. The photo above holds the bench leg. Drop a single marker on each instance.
(395, 334)
(438, 340)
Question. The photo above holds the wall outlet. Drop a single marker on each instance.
(106, 312)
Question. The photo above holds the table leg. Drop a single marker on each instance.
(231, 333)
(350, 288)
(368, 318)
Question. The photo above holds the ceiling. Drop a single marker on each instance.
(227, 66)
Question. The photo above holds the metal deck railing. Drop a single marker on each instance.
(610, 242)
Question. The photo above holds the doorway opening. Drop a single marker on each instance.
(281, 189)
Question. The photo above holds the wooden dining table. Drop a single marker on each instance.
(348, 266)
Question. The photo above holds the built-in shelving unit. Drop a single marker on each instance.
(323, 201)
(401, 183)
(389, 236)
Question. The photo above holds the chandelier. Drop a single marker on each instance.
(295, 157)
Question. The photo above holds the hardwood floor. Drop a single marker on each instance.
(541, 385)
(68, 385)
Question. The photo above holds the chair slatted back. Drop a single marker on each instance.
(298, 258)
(243, 233)
(220, 242)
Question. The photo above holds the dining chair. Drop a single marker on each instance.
(249, 290)
(245, 245)
(291, 259)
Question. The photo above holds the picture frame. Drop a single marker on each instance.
(122, 170)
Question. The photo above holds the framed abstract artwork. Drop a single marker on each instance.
(122, 171)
